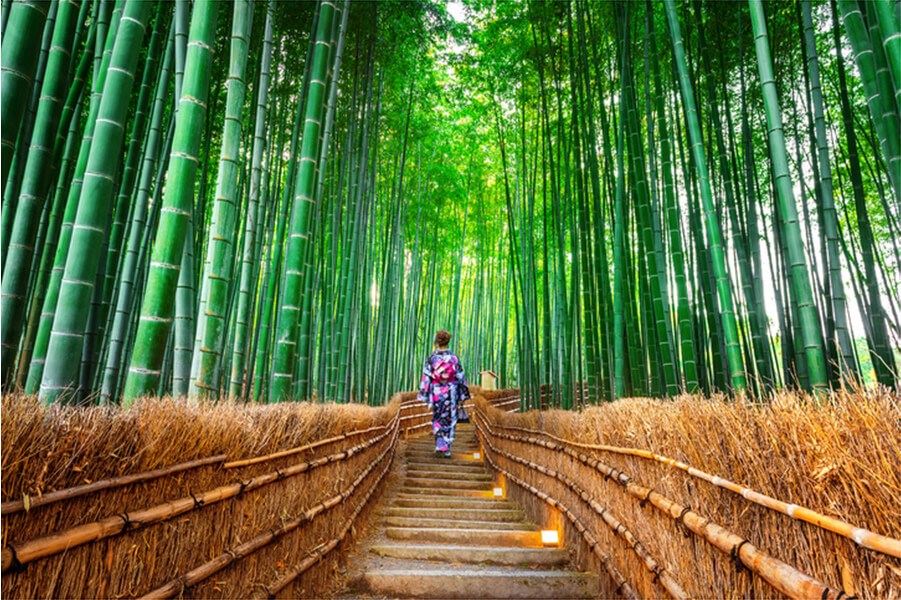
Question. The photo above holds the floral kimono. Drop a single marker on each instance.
(443, 386)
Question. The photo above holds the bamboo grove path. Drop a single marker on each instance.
(443, 534)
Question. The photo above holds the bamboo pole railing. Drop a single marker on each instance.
(778, 574)
(860, 536)
(623, 587)
(14, 506)
(319, 554)
(176, 586)
(654, 566)
(292, 451)
(18, 555)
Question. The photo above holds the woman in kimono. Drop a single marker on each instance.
(444, 387)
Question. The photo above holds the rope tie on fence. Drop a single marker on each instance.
(735, 555)
(680, 521)
(243, 486)
(279, 474)
(646, 498)
(126, 522)
(197, 503)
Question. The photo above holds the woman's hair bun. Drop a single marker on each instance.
(442, 338)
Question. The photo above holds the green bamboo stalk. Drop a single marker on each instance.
(251, 225)
(128, 273)
(35, 183)
(298, 242)
(19, 61)
(217, 277)
(727, 311)
(619, 237)
(157, 307)
(106, 28)
(836, 287)
(877, 332)
(888, 18)
(883, 111)
(801, 288)
(76, 289)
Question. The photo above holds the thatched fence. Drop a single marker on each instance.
(177, 499)
(697, 498)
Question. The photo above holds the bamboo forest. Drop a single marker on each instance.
(271, 200)
(444, 299)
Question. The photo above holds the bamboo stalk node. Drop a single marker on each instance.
(10, 562)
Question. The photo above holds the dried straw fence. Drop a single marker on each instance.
(203, 500)
(174, 499)
(702, 498)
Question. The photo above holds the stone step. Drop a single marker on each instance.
(439, 502)
(472, 537)
(449, 514)
(449, 473)
(456, 524)
(421, 491)
(491, 555)
(457, 449)
(475, 469)
(446, 463)
(416, 494)
(455, 457)
(458, 444)
(458, 484)
(496, 582)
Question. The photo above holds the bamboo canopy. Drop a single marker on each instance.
(280, 201)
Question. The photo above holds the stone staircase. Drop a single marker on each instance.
(444, 535)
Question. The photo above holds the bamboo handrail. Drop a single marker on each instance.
(623, 586)
(862, 537)
(673, 587)
(28, 551)
(319, 553)
(416, 415)
(14, 506)
(191, 578)
(506, 402)
(780, 575)
(291, 451)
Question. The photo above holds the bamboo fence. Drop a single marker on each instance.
(714, 541)
(179, 499)
(265, 512)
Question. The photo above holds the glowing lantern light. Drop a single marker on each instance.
(549, 536)
(498, 492)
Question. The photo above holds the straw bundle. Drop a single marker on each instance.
(840, 458)
(320, 488)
